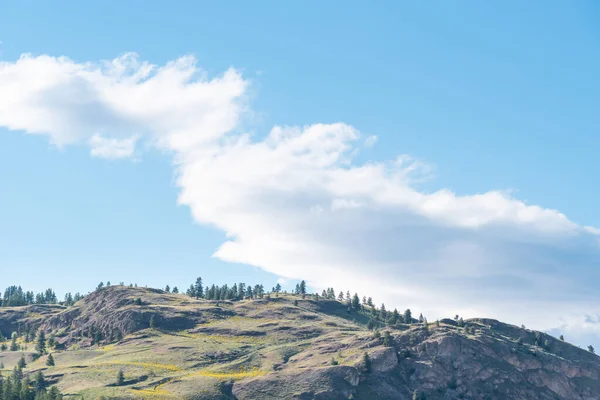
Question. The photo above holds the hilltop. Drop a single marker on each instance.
(285, 346)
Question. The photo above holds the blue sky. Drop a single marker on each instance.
(498, 97)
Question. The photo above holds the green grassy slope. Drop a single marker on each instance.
(286, 347)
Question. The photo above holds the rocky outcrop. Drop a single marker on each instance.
(117, 311)
(20, 319)
(485, 361)
(383, 359)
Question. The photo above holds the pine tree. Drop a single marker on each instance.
(387, 339)
(167, 289)
(562, 338)
(51, 341)
(591, 349)
(198, 288)
(302, 288)
(407, 316)
(191, 291)
(341, 296)
(152, 322)
(54, 394)
(40, 345)
(13, 342)
(367, 362)
(382, 312)
(50, 360)
(175, 290)
(22, 363)
(356, 302)
(374, 312)
(40, 382)
(277, 289)
(25, 389)
(120, 378)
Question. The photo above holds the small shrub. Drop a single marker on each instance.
(288, 353)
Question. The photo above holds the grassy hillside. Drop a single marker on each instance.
(172, 346)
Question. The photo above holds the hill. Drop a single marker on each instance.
(284, 347)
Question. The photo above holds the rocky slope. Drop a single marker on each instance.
(276, 349)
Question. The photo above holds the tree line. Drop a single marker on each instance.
(237, 291)
(15, 296)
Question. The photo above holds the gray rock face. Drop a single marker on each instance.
(488, 362)
(384, 359)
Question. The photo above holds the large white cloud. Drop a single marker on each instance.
(298, 205)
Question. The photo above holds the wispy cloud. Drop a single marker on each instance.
(111, 148)
(299, 205)
(370, 141)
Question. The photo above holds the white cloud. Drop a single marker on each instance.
(370, 141)
(71, 102)
(112, 148)
(298, 205)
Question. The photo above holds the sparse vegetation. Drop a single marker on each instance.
(216, 343)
